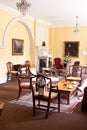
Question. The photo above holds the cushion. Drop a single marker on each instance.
(46, 94)
(24, 84)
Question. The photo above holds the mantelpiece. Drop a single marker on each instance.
(42, 57)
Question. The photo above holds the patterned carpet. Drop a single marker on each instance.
(27, 101)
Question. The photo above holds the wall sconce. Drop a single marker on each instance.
(84, 53)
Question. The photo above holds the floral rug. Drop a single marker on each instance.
(27, 101)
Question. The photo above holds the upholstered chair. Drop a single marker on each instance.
(57, 63)
(11, 73)
(84, 100)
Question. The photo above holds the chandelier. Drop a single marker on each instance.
(76, 30)
(23, 6)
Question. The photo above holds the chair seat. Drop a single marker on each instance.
(14, 72)
(73, 78)
(40, 93)
(25, 84)
(46, 94)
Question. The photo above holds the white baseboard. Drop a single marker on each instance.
(3, 80)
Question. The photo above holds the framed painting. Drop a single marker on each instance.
(17, 46)
(71, 48)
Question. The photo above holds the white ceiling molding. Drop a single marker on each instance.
(42, 21)
(9, 9)
(59, 13)
(16, 12)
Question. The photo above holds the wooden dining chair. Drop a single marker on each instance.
(42, 97)
(75, 74)
(27, 62)
(24, 79)
(11, 73)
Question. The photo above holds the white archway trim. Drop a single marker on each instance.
(31, 36)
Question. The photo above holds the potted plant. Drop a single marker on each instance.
(67, 59)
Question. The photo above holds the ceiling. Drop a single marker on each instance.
(56, 12)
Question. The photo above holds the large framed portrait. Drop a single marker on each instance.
(71, 48)
(17, 46)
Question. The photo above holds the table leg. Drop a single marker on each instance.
(68, 99)
(58, 101)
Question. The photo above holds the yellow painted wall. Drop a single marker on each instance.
(17, 30)
(6, 53)
(41, 31)
(59, 35)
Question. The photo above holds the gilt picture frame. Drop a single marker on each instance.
(71, 48)
(17, 46)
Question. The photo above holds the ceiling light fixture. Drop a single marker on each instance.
(23, 6)
(76, 30)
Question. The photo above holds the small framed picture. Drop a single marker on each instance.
(17, 46)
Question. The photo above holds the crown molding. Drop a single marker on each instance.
(42, 21)
(11, 10)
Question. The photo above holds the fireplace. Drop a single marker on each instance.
(43, 62)
(42, 58)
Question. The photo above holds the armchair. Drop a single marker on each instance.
(57, 63)
(84, 100)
